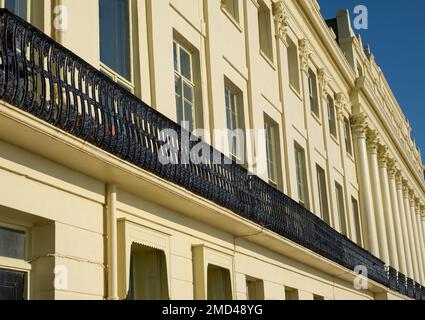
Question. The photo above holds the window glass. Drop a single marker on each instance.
(184, 87)
(341, 208)
(18, 7)
(264, 28)
(235, 122)
(271, 150)
(115, 36)
(323, 194)
(357, 221)
(331, 117)
(232, 8)
(301, 176)
(12, 243)
(348, 140)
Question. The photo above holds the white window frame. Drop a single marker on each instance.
(357, 220)
(183, 80)
(17, 264)
(271, 136)
(265, 37)
(301, 174)
(313, 93)
(130, 233)
(322, 186)
(348, 137)
(236, 118)
(340, 205)
(332, 117)
(115, 76)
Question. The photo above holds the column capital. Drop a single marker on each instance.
(412, 196)
(359, 125)
(383, 156)
(422, 211)
(399, 179)
(306, 51)
(341, 104)
(418, 205)
(406, 188)
(281, 18)
(324, 80)
(372, 139)
(392, 168)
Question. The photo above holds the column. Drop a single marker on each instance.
(372, 149)
(405, 232)
(421, 239)
(359, 125)
(416, 238)
(413, 254)
(387, 207)
(396, 217)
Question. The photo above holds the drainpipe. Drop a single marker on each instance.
(111, 237)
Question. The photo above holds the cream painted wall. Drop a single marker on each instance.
(66, 208)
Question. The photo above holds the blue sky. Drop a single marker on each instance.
(396, 34)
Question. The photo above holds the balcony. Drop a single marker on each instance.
(44, 79)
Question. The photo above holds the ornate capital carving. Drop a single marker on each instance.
(372, 139)
(418, 205)
(341, 104)
(305, 53)
(282, 19)
(399, 179)
(359, 125)
(382, 156)
(324, 80)
(412, 197)
(392, 168)
(406, 188)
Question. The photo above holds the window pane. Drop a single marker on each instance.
(357, 221)
(188, 116)
(323, 195)
(185, 66)
(18, 7)
(341, 208)
(175, 57)
(12, 244)
(188, 92)
(115, 35)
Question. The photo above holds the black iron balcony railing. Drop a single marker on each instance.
(41, 77)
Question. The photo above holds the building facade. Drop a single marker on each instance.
(88, 210)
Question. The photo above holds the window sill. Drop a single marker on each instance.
(268, 60)
(335, 139)
(235, 22)
(316, 117)
(14, 264)
(128, 84)
(296, 92)
(350, 157)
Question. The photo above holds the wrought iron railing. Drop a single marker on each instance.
(41, 77)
